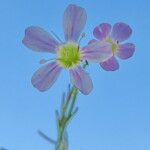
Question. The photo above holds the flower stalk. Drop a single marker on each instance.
(68, 111)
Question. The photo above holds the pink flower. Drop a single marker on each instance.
(69, 54)
(115, 36)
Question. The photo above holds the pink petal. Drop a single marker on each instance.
(45, 77)
(74, 21)
(97, 51)
(110, 65)
(92, 41)
(126, 51)
(121, 31)
(102, 31)
(81, 80)
(39, 40)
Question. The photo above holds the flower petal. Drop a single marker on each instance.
(102, 31)
(125, 51)
(39, 40)
(97, 51)
(121, 31)
(45, 77)
(81, 80)
(110, 65)
(74, 21)
(92, 41)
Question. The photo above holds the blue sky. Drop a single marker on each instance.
(115, 116)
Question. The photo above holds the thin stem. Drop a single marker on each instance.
(68, 100)
(43, 135)
(73, 101)
(65, 116)
(67, 113)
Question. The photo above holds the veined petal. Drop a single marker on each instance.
(121, 31)
(45, 77)
(81, 80)
(73, 22)
(97, 51)
(126, 51)
(39, 40)
(110, 65)
(102, 31)
(92, 41)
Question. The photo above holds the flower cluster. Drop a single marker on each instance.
(70, 55)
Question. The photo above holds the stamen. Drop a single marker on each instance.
(69, 55)
(82, 36)
(57, 37)
(114, 45)
(78, 48)
(43, 61)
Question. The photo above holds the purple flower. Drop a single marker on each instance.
(119, 33)
(69, 54)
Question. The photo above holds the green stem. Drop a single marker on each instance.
(73, 101)
(65, 117)
(67, 113)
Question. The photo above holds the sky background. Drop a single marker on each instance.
(115, 116)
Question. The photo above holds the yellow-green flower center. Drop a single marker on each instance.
(113, 44)
(69, 55)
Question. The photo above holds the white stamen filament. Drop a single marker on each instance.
(43, 61)
(56, 36)
(82, 36)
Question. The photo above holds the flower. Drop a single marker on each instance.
(69, 54)
(119, 33)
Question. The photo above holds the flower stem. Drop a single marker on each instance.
(64, 118)
(68, 111)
